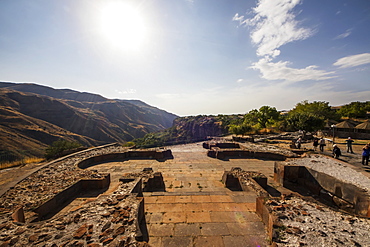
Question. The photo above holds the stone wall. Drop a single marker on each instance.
(223, 150)
(266, 215)
(320, 183)
(209, 145)
(240, 153)
(52, 206)
(150, 154)
(238, 179)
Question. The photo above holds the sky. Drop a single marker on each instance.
(192, 57)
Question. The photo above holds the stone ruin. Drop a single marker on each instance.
(222, 150)
(322, 181)
(32, 210)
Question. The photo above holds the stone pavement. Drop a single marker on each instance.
(208, 219)
(197, 209)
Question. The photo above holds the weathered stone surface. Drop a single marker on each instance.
(18, 215)
(33, 238)
(94, 245)
(106, 233)
(5, 244)
(309, 224)
(20, 230)
(119, 231)
(80, 232)
(107, 241)
(106, 226)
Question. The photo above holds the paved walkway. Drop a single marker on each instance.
(11, 176)
(197, 209)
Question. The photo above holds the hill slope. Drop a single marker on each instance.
(33, 116)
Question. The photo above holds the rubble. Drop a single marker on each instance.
(42, 185)
(87, 226)
(110, 219)
(307, 223)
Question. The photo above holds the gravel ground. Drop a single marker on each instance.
(310, 224)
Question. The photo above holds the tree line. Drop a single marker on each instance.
(308, 116)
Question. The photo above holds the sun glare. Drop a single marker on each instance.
(123, 26)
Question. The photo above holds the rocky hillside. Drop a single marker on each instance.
(33, 116)
(198, 127)
(188, 129)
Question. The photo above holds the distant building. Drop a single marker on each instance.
(346, 128)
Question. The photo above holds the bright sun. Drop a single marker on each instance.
(123, 26)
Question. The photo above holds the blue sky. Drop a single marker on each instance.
(192, 57)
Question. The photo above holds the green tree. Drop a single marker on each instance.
(303, 121)
(57, 148)
(320, 109)
(354, 110)
(262, 118)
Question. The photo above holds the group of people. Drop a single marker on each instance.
(319, 142)
(337, 152)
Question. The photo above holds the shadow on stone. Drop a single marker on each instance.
(324, 188)
(159, 155)
(142, 230)
(272, 191)
(81, 189)
(155, 183)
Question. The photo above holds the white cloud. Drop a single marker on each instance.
(353, 61)
(274, 25)
(239, 80)
(280, 71)
(344, 35)
(241, 19)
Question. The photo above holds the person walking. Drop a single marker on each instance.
(315, 143)
(349, 145)
(322, 144)
(336, 151)
(366, 154)
(299, 143)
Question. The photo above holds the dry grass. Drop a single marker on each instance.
(25, 161)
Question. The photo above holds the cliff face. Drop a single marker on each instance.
(33, 116)
(198, 128)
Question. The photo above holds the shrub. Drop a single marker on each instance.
(60, 148)
(129, 144)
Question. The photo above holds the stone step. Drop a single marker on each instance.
(202, 193)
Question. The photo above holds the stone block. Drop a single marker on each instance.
(231, 182)
(18, 215)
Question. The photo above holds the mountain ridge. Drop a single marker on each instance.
(42, 114)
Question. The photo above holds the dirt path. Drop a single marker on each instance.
(11, 176)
